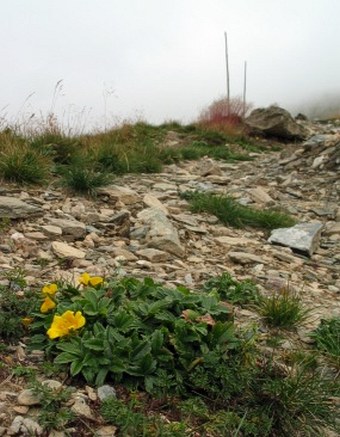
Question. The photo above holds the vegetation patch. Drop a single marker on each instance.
(47, 153)
(231, 290)
(178, 362)
(232, 213)
(283, 309)
(327, 339)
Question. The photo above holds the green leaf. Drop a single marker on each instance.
(157, 340)
(89, 374)
(65, 358)
(98, 329)
(118, 366)
(140, 350)
(76, 367)
(71, 347)
(222, 333)
(145, 366)
(101, 376)
(123, 321)
(95, 344)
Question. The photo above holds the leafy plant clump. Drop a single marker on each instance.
(182, 348)
(232, 213)
(327, 339)
(15, 303)
(139, 332)
(283, 309)
(233, 291)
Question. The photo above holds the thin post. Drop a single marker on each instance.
(227, 72)
(244, 87)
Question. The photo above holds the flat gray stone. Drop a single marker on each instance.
(153, 255)
(13, 208)
(122, 194)
(161, 233)
(245, 258)
(71, 229)
(63, 250)
(303, 237)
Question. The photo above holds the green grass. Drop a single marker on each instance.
(23, 165)
(283, 309)
(82, 178)
(45, 153)
(231, 213)
(327, 339)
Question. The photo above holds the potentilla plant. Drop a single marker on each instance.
(134, 331)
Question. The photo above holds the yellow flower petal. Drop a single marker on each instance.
(47, 305)
(62, 325)
(50, 289)
(95, 280)
(80, 320)
(84, 278)
(27, 320)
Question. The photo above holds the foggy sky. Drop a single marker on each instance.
(163, 59)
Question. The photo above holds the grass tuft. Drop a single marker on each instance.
(231, 213)
(327, 339)
(23, 165)
(283, 309)
(81, 177)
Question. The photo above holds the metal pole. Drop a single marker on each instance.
(227, 72)
(244, 87)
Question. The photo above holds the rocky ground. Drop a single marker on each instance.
(142, 227)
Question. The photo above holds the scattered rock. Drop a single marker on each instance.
(152, 202)
(71, 229)
(153, 255)
(24, 427)
(28, 397)
(333, 229)
(121, 194)
(81, 409)
(259, 195)
(245, 258)
(207, 167)
(13, 208)
(63, 250)
(303, 237)
(106, 431)
(105, 392)
(161, 233)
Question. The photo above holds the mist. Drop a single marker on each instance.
(92, 63)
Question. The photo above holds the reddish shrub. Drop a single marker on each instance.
(223, 117)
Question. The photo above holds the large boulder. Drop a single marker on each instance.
(275, 122)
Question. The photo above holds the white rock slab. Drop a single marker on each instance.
(303, 237)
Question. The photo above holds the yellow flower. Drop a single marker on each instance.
(50, 289)
(86, 279)
(27, 320)
(64, 324)
(47, 305)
